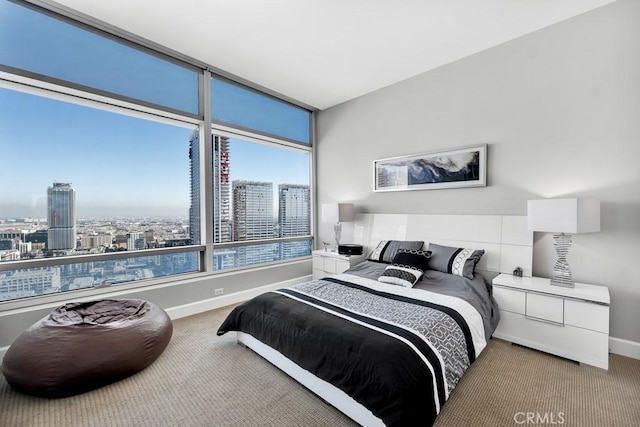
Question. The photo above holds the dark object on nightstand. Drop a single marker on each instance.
(350, 249)
(517, 272)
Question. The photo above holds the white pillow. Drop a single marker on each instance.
(402, 276)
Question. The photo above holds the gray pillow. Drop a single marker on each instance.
(387, 249)
(458, 261)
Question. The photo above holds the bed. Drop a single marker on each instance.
(383, 345)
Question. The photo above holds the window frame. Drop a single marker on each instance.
(62, 90)
(253, 137)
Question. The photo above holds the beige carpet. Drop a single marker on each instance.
(205, 380)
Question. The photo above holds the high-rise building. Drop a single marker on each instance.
(294, 218)
(252, 210)
(61, 216)
(253, 220)
(194, 184)
(221, 189)
(294, 210)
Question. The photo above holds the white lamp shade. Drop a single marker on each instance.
(330, 212)
(334, 212)
(564, 215)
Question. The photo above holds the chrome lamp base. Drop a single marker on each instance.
(337, 231)
(561, 270)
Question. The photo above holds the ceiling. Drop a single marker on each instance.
(325, 52)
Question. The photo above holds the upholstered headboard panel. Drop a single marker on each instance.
(505, 238)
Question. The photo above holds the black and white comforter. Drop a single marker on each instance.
(397, 351)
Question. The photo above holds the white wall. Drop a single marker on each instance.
(560, 110)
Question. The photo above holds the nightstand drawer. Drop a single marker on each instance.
(587, 315)
(318, 263)
(509, 299)
(342, 265)
(545, 307)
(330, 265)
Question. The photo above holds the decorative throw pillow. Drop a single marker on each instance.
(412, 259)
(407, 268)
(398, 275)
(387, 249)
(458, 261)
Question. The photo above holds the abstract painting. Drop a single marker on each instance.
(460, 167)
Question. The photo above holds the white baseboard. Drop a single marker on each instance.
(624, 347)
(224, 300)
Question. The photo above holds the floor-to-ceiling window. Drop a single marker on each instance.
(106, 177)
(261, 177)
(263, 209)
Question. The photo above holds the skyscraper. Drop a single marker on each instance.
(221, 189)
(61, 215)
(194, 184)
(294, 210)
(253, 220)
(252, 210)
(294, 218)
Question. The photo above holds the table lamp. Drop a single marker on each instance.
(563, 217)
(337, 213)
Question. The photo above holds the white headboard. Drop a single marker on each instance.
(505, 238)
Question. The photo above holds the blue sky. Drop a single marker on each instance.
(118, 165)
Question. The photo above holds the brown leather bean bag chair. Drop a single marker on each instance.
(83, 346)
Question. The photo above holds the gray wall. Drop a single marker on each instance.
(560, 110)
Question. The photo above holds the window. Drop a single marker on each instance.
(80, 180)
(37, 281)
(238, 106)
(103, 175)
(40, 43)
(262, 193)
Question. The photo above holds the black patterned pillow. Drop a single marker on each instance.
(458, 261)
(387, 249)
(410, 258)
(407, 268)
(398, 275)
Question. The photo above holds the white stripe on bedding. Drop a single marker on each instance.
(466, 310)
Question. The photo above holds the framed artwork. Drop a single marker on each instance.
(460, 167)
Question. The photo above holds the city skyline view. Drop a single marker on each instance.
(119, 166)
(103, 160)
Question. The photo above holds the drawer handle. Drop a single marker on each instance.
(544, 320)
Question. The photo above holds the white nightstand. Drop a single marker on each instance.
(568, 322)
(326, 263)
